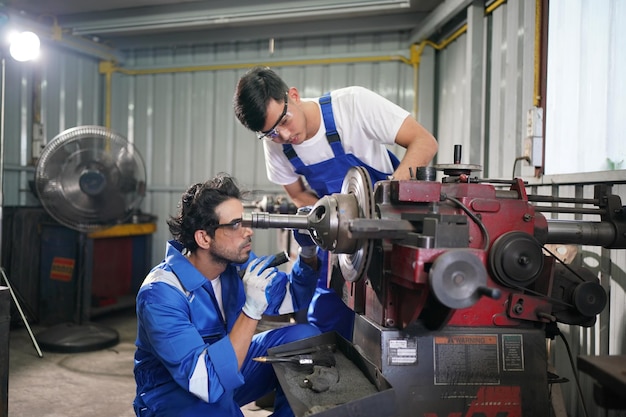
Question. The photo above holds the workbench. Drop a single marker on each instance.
(609, 371)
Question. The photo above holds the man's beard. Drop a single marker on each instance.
(225, 256)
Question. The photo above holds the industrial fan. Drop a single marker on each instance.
(88, 178)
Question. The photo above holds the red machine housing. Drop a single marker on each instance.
(406, 290)
(453, 287)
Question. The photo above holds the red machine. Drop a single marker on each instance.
(454, 289)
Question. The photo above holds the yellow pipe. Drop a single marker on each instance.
(416, 56)
(537, 65)
(108, 67)
(443, 44)
(288, 63)
(493, 6)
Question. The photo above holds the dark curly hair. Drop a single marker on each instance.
(196, 210)
(253, 92)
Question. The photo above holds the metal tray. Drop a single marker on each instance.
(360, 390)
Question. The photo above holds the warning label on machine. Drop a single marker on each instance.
(466, 360)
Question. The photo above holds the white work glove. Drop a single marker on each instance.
(255, 281)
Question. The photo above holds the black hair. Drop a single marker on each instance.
(253, 92)
(196, 210)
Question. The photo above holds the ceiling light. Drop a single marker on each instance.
(24, 46)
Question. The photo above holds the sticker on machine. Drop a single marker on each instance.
(512, 352)
(466, 360)
(402, 351)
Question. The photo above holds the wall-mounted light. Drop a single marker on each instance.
(24, 46)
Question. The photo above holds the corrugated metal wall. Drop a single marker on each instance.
(183, 124)
(60, 90)
(508, 41)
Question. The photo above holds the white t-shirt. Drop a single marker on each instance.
(365, 121)
(217, 290)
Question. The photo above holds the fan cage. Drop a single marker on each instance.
(90, 178)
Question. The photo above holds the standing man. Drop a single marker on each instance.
(197, 319)
(320, 140)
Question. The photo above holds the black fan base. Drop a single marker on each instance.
(75, 338)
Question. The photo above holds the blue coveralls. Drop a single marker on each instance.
(327, 311)
(185, 364)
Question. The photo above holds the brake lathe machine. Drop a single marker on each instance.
(454, 289)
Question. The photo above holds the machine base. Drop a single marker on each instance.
(356, 389)
(460, 371)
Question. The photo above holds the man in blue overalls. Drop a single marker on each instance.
(320, 140)
(198, 311)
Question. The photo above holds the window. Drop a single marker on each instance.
(586, 87)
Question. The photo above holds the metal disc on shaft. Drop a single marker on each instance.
(516, 259)
(358, 183)
(458, 167)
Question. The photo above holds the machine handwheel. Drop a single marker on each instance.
(358, 183)
(457, 277)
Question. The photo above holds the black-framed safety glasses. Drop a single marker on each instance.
(273, 132)
(231, 227)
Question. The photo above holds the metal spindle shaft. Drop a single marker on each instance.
(261, 220)
(581, 233)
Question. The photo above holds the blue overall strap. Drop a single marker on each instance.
(332, 136)
(329, 121)
(293, 157)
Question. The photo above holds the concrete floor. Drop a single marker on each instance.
(94, 384)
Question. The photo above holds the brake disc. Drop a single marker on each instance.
(358, 183)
